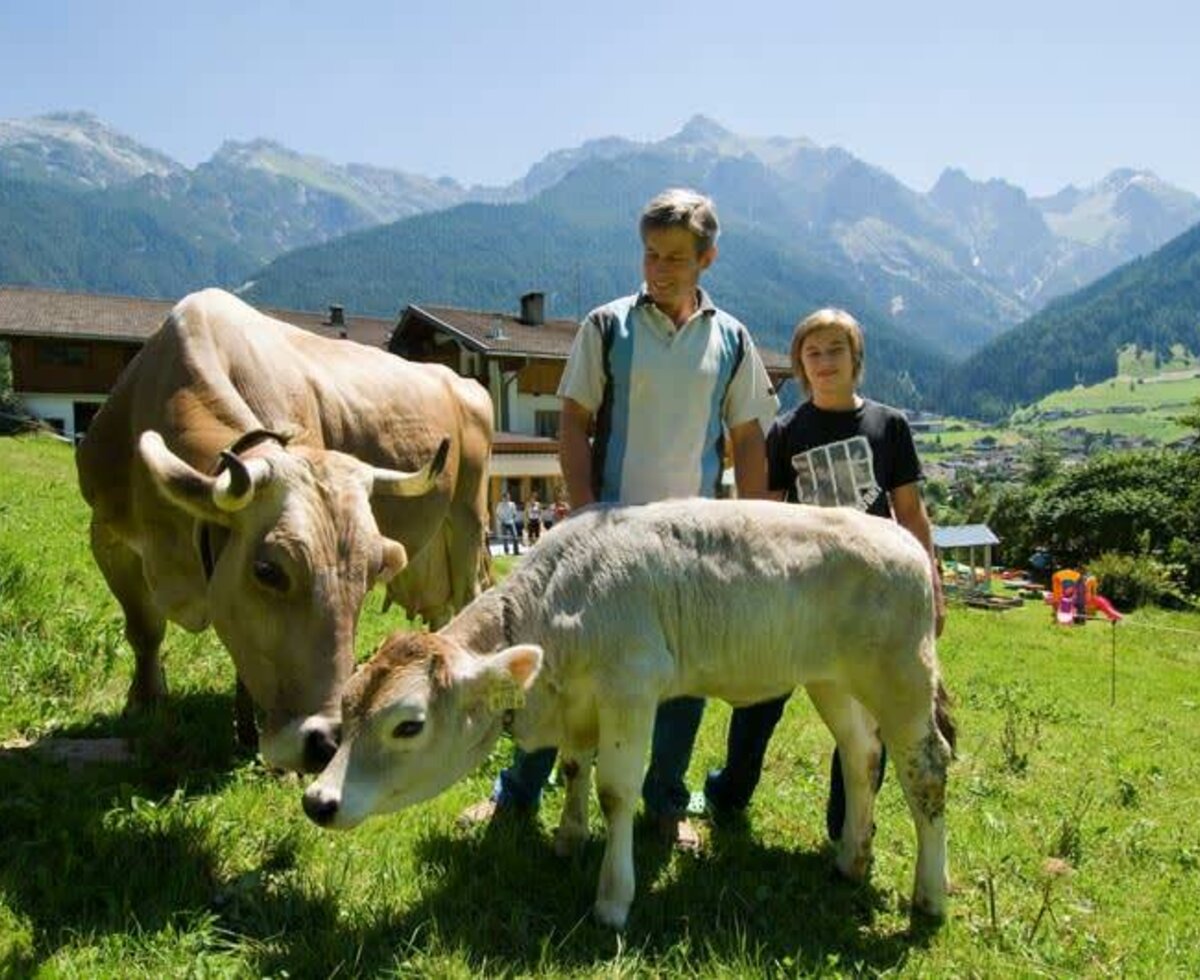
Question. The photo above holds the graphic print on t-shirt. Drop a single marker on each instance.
(841, 474)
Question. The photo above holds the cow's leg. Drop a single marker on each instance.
(625, 728)
(468, 557)
(861, 754)
(145, 626)
(922, 757)
(576, 769)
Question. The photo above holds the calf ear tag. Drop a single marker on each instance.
(505, 694)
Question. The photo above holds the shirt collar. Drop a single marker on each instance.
(704, 303)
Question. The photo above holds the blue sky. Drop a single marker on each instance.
(1041, 94)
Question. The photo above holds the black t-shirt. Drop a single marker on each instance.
(851, 459)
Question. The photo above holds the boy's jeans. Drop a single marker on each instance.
(664, 790)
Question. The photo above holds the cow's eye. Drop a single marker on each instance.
(408, 729)
(271, 575)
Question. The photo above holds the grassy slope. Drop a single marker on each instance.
(192, 860)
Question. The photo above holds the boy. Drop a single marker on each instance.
(835, 449)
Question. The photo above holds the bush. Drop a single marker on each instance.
(1129, 581)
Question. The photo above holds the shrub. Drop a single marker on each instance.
(1129, 581)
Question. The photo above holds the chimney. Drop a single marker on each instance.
(533, 309)
(337, 319)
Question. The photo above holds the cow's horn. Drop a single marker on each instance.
(234, 488)
(399, 484)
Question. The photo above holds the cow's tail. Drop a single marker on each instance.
(941, 713)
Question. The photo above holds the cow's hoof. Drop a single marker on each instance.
(611, 914)
(146, 693)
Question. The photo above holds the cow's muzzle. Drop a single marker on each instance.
(320, 744)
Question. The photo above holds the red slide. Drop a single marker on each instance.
(1105, 607)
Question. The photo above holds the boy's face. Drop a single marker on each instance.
(828, 364)
(672, 266)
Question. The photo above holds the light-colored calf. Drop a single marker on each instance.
(619, 608)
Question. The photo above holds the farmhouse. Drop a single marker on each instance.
(69, 348)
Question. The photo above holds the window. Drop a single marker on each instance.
(545, 424)
(57, 353)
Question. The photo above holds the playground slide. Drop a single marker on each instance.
(1106, 607)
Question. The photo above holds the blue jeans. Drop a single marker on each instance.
(750, 730)
(664, 790)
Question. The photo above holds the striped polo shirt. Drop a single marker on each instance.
(662, 396)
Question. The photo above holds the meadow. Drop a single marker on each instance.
(1075, 849)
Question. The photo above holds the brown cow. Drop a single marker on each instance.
(246, 474)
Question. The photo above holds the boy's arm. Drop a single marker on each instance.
(910, 513)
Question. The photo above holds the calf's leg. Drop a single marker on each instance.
(860, 750)
(576, 769)
(922, 757)
(624, 738)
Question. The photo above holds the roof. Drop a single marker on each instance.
(28, 312)
(963, 536)
(500, 334)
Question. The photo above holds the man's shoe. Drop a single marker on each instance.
(490, 811)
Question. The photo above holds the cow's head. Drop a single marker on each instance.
(291, 548)
(419, 716)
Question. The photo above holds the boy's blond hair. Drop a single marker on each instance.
(828, 318)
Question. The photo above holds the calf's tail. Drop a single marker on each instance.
(945, 724)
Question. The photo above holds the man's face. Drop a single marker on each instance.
(672, 267)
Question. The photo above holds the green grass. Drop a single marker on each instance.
(190, 860)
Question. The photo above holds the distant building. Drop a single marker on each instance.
(519, 358)
(68, 349)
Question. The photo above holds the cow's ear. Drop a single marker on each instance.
(508, 674)
(393, 560)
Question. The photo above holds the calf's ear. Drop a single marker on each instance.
(507, 675)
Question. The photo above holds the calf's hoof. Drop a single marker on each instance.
(568, 843)
(855, 867)
(929, 908)
(611, 914)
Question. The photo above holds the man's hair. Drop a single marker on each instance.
(828, 319)
(680, 207)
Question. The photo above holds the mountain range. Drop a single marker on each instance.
(935, 276)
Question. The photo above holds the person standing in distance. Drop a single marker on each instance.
(837, 449)
(655, 380)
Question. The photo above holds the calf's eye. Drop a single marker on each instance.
(407, 729)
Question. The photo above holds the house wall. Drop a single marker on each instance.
(69, 366)
(61, 411)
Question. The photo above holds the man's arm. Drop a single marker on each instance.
(575, 453)
(749, 460)
(910, 513)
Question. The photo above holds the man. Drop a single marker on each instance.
(506, 515)
(657, 378)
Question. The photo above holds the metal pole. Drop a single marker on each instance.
(1112, 693)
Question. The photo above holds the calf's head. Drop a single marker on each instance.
(419, 716)
(291, 548)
